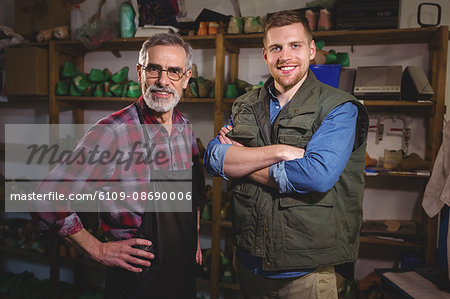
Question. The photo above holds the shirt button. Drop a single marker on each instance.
(278, 107)
(268, 264)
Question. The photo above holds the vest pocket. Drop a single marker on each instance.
(296, 131)
(243, 214)
(308, 225)
(245, 134)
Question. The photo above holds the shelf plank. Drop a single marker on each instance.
(223, 223)
(25, 254)
(42, 258)
(81, 261)
(123, 99)
(331, 38)
(129, 44)
(226, 223)
(349, 37)
(94, 99)
(378, 103)
(230, 286)
(382, 103)
(382, 241)
(393, 173)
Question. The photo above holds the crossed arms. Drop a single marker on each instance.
(289, 169)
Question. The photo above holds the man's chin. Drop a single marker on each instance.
(161, 105)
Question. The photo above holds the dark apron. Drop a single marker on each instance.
(172, 272)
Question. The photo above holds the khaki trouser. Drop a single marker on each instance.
(317, 285)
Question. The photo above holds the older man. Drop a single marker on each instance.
(153, 253)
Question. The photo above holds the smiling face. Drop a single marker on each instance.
(288, 52)
(163, 94)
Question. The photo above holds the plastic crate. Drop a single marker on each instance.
(327, 73)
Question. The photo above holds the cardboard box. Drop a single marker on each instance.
(26, 71)
(34, 15)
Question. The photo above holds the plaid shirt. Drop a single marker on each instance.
(110, 135)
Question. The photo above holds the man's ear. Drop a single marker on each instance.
(264, 52)
(138, 69)
(187, 77)
(312, 50)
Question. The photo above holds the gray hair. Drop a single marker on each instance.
(166, 39)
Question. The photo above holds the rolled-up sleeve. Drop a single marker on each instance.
(214, 157)
(325, 158)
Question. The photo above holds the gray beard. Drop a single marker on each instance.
(159, 104)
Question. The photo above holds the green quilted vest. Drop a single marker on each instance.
(297, 231)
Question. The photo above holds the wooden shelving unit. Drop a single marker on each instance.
(435, 37)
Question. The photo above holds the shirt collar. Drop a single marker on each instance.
(271, 92)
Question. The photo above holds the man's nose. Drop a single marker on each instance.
(285, 54)
(163, 80)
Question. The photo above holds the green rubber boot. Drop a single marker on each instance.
(120, 76)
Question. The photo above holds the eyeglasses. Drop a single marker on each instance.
(154, 71)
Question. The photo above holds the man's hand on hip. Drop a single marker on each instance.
(122, 254)
(115, 253)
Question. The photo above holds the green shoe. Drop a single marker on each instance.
(343, 59)
(330, 59)
(124, 91)
(107, 90)
(73, 91)
(242, 86)
(62, 88)
(106, 74)
(99, 90)
(89, 91)
(232, 91)
(227, 276)
(203, 87)
(96, 76)
(120, 76)
(80, 83)
(134, 90)
(69, 70)
(205, 215)
(116, 89)
(194, 88)
(320, 44)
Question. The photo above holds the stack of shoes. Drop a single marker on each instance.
(98, 83)
(245, 25)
